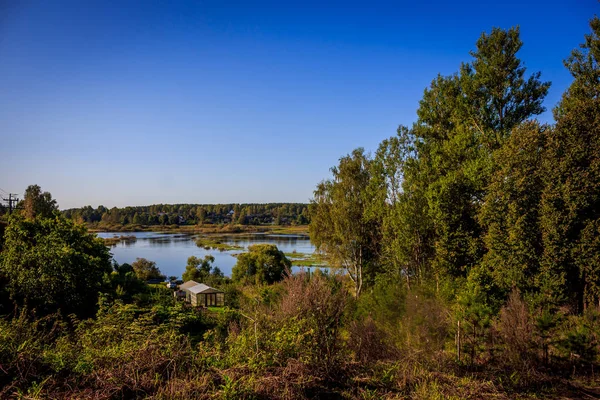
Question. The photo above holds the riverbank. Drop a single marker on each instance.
(206, 229)
(306, 259)
(118, 239)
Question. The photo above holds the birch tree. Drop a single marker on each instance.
(341, 227)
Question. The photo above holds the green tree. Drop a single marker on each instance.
(125, 283)
(200, 215)
(511, 210)
(53, 264)
(146, 269)
(341, 226)
(37, 203)
(242, 219)
(500, 97)
(277, 220)
(198, 269)
(262, 264)
(164, 219)
(570, 205)
(405, 249)
(462, 120)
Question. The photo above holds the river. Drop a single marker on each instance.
(170, 251)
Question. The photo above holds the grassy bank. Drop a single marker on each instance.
(216, 244)
(118, 239)
(306, 259)
(201, 229)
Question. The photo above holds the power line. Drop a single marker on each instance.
(12, 199)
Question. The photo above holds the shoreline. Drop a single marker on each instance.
(301, 230)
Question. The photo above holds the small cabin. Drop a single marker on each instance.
(185, 288)
(205, 296)
(201, 295)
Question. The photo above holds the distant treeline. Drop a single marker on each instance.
(191, 214)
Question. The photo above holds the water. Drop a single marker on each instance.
(171, 251)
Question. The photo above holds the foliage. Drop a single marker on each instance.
(517, 332)
(340, 226)
(125, 283)
(263, 263)
(405, 244)
(186, 214)
(580, 338)
(511, 210)
(471, 236)
(146, 270)
(53, 264)
(570, 205)
(208, 244)
(203, 271)
(37, 203)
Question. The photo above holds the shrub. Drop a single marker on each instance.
(516, 331)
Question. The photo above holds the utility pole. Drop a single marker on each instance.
(12, 198)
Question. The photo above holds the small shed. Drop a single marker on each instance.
(203, 295)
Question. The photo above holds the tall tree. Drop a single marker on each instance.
(570, 215)
(404, 246)
(511, 210)
(501, 96)
(341, 225)
(462, 120)
(37, 203)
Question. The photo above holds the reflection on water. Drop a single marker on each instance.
(171, 251)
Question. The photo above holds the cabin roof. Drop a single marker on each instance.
(188, 285)
(202, 288)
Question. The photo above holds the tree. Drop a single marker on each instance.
(570, 205)
(341, 226)
(37, 203)
(197, 269)
(54, 264)
(500, 95)
(146, 270)
(511, 210)
(262, 264)
(242, 219)
(277, 220)
(200, 215)
(462, 120)
(404, 225)
(125, 283)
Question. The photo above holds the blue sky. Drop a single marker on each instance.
(141, 102)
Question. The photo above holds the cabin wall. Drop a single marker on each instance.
(206, 299)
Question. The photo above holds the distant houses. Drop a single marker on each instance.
(200, 295)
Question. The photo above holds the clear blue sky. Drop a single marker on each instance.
(140, 102)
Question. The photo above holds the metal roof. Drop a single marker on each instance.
(188, 285)
(202, 288)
